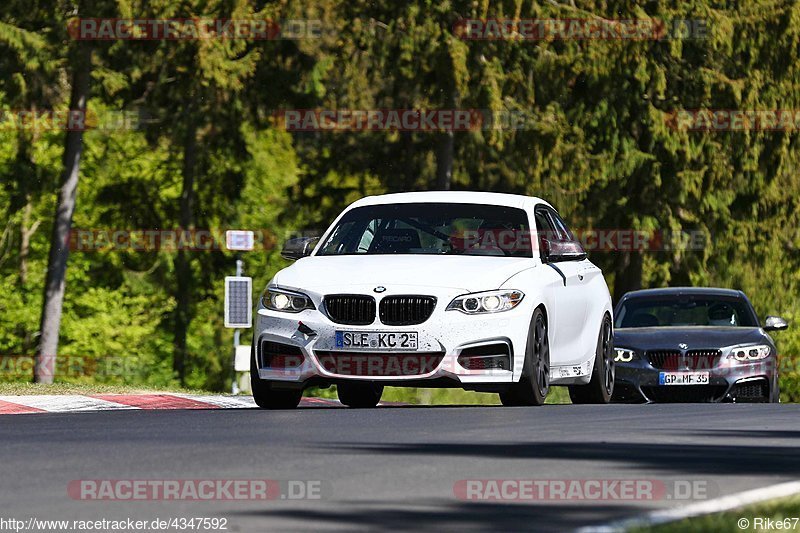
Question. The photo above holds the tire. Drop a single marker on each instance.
(601, 386)
(265, 396)
(534, 384)
(359, 394)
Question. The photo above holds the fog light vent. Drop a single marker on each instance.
(486, 357)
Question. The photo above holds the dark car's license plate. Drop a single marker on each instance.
(377, 340)
(683, 378)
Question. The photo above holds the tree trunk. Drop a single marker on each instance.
(628, 274)
(26, 231)
(183, 267)
(410, 171)
(26, 174)
(62, 224)
(444, 152)
(444, 161)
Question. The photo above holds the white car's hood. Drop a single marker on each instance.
(465, 273)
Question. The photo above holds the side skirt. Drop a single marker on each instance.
(579, 374)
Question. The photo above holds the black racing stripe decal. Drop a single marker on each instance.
(563, 277)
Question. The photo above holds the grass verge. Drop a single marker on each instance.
(24, 389)
(421, 396)
(415, 396)
(784, 511)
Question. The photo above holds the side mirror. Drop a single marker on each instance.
(298, 248)
(556, 251)
(775, 323)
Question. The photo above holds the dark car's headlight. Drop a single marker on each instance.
(486, 302)
(624, 355)
(751, 353)
(286, 301)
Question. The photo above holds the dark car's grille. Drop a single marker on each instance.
(406, 310)
(703, 359)
(660, 358)
(676, 360)
(379, 364)
(685, 393)
(353, 309)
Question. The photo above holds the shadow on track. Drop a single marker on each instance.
(717, 459)
(749, 433)
(444, 515)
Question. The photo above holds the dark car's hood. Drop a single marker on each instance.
(695, 337)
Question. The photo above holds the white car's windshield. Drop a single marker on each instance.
(431, 228)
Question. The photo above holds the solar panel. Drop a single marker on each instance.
(238, 302)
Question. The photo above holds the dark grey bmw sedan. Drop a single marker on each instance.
(693, 345)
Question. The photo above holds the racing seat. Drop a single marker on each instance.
(396, 241)
(491, 234)
(721, 315)
(641, 320)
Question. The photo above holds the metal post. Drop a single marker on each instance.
(236, 332)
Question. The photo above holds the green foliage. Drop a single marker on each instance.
(422, 396)
(598, 145)
(781, 511)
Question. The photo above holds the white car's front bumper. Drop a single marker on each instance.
(442, 339)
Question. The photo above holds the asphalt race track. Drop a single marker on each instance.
(393, 468)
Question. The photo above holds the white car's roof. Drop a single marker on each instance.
(466, 197)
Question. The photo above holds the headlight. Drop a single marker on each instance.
(624, 355)
(751, 353)
(286, 301)
(486, 302)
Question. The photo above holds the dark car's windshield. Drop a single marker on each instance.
(431, 228)
(683, 310)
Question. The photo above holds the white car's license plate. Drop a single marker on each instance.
(683, 378)
(376, 340)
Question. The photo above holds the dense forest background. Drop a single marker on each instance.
(201, 148)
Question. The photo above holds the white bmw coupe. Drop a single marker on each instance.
(487, 292)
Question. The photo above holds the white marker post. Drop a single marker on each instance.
(238, 294)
